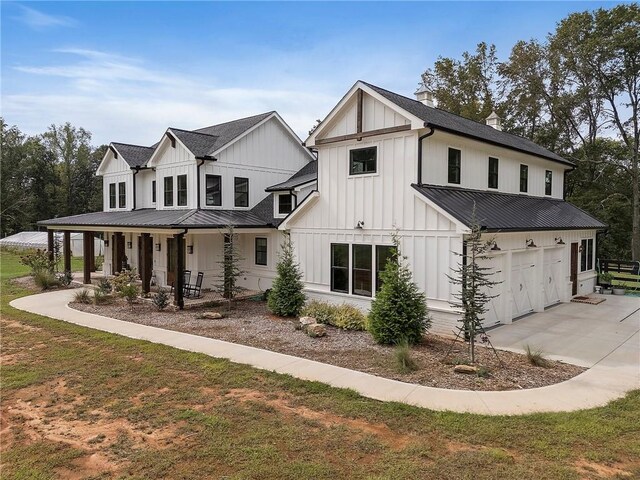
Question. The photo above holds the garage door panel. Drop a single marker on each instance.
(523, 271)
(552, 275)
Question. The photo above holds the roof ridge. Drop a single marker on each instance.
(186, 216)
(131, 145)
(192, 131)
(236, 120)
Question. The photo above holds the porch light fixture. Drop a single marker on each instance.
(106, 243)
(189, 249)
(530, 243)
(129, 245)
(360, 224)
(559, 241)
(158, 247)
(495, 247)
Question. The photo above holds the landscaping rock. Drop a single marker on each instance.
(468, 369)
(212, 315)
(305, 321)
(316, 330)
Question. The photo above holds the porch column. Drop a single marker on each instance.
(92, 257)
(66, 250)
(178, 297)
(145, 264)
(86, 253)
(50, 245)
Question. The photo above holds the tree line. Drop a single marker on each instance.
(48, 175)
(577, 92)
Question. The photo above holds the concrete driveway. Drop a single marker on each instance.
(607, 334)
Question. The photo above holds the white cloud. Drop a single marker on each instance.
(39, 20)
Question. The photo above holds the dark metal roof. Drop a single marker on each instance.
(307, 174)
(507, 211)
(134, 155)
(450, 122)
(152, 218)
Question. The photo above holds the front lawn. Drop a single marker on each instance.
(82, 403)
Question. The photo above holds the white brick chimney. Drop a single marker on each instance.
(424, 95)
(494, 121)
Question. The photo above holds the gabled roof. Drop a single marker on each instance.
(307, 174)
(500, 212)
(230, 130)
(450, 122)
(200, 144)
(134, 155)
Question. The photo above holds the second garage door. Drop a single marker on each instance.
(523, 272)
(553, 267)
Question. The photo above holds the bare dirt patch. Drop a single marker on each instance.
(250, 323)
(589, 469)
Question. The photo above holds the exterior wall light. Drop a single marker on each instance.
(158, 247)
(189, 249)
(106, 243)
(530, 243)
(360, 224)
(495, 247)
(129, 245)
(559, 241)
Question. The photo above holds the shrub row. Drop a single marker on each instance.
(343, 316)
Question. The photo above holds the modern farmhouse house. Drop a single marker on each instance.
(167, 207)
(385, 163)
(390, 163)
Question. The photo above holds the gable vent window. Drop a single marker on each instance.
(182, 190)
(168, 191)
(363, 160)
(112, 195)
(285, 204)
(214, 190)
(241, 192)
(493, 172)
(524, 178)
(453, 168)
(548, 178)
(122, 195)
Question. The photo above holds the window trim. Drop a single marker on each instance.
(548, 174)
(185, 190)
(351, 173)
(459, 167)
(113, 195)
(496, 173)
(164, 191)
(524, 168)
(206, 194)
(266, 251)
(353, 269)
(235, 192)
(292, 204)
(347, 268)
(122, 194)
(587, 252)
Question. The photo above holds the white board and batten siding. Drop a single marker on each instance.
(172, 162)
(144, 189)
(116, 170)
(474, 166)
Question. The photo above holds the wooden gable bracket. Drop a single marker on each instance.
(114, 151)
(361, 135)
(172, 138)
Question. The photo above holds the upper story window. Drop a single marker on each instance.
(363, 160)
(261, 251)
(112, 195)
(285, 203)
(586, 254)
(168, 191)
(122, 195)
(493, 172)
(241, 192)
(153, 191)
(524, 178)
(182, 190)
(213, 190)
(548, 178)
(453, 167)
(340, 267)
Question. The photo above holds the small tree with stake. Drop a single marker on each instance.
(230, 270)
(286, 297)
(474, 282)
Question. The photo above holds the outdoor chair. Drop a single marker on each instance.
(186, 278)
(195, 289)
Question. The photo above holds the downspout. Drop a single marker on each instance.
(198, 181)
(296, 200)
(136, 170)
(420, 139)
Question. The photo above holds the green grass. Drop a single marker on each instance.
(628, 280)
(233, 421)
(10, 266)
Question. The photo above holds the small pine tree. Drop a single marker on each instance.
(230, 270)
(399, 311)
(474, 282)
(286, 297)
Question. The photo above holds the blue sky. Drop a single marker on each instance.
(127, 70)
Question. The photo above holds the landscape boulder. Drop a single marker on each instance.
(305, 321)
(212, 315)
(468, 369)
(316, 330)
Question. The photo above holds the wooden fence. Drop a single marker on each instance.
(625, 273)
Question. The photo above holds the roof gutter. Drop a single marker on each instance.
(202, 159)
(420, 139)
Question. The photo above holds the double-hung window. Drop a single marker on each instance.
(122, 195)
(524, 178)
(493, 172)
(454, 165)
(168, 191)
(340, 267)
(285, 203)
(213, 190)
(112, 195)
(548, 178)
(361, 270)
(384, 253)
(241, 192)
(586, 254)
(363, 160)
(261, 251)
(182, 190)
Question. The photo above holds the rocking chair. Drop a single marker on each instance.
(194, 290)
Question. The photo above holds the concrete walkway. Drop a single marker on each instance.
(595, 387)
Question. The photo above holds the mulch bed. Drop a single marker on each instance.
(250, 323)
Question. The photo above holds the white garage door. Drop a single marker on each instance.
(553, 267)
(523, 271)
(494, 310)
